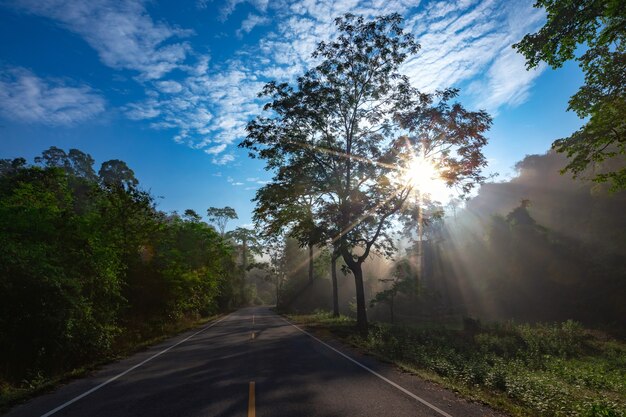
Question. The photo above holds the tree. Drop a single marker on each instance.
(191, 216)
(11, 166)
(249, 245)
(115, 174)
(599, 25)
(340, 127)
(221, 216)
(401, 283)
(82, 165)
(286, 206)
(274, 248)
(54, 157)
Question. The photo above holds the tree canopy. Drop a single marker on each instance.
(597, 28)
(221, 216)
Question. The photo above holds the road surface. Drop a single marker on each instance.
(250, 363)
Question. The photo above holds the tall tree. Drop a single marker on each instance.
(249, 245)
(221, 216)
(341, 128)
(599, 25)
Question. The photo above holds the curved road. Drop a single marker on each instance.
(250, 363)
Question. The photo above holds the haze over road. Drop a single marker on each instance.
(209, 371)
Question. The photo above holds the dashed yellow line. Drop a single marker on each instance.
(251, 407)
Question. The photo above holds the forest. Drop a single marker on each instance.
(89, 267)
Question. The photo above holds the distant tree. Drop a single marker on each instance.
(54, 157)
(402, 282)
(11, 166)
(599, 25)
(116, 174)
(274, 248)
(341, 127)
(191, 216)
(221, 216)
(287, 205)
(520, 216)
(81, 165)
(249, 245)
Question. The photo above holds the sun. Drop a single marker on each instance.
(424, 177)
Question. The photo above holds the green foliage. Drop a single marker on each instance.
(86, 262)
(599, 25)
(548, 370)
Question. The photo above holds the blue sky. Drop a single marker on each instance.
(168, 86)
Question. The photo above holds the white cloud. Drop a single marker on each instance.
(27, 98)
(470, 42)
(231, 5)
(251, 22)
(223, 160)
(210, 110)
(214, 150)
(169, 86)
(121, 31)
(507, 82)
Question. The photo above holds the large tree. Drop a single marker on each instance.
(597, 29)
(353, 125)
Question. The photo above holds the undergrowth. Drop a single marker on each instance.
(558, 369)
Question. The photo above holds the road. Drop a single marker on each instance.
(250, 363)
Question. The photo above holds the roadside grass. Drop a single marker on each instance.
(128, 343)
(558, 369)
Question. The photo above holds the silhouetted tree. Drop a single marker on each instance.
(341, 126)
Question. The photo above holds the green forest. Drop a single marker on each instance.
(90, 267)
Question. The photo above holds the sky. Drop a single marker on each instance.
(168, 86)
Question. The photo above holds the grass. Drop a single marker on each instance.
(547, 370)
(128, 343)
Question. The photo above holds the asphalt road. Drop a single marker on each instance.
(250, 363)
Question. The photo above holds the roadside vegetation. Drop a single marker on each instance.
(90, 269)
(559, 369)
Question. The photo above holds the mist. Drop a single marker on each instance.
(540, 247)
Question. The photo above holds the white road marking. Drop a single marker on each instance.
(371, 371)
(83, 395)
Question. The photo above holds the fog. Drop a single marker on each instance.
(540, 247)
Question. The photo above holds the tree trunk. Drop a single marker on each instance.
(310, 263)
(333, 264)
(361, 313)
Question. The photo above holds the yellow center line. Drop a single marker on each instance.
(251, 407)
